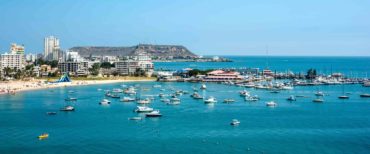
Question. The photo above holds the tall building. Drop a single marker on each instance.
(51, 48)
(30, 57)
(131, 66)
(16, 49)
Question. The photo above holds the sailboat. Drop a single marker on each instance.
(343, 96)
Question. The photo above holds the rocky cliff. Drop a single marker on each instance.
(159, 51)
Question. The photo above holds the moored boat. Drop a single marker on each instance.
(155, 113)
(235, 122)
(365, 95)
(229, 100)
(104, 102)
(127, 99)
(43, 136)
(67, 108)
(210, 100)
(291, 98)
(271, 104)
(143, 109)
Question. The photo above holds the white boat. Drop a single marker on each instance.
(244, 93)
(203, 86)
(127, 99)
(252, 98)
(144, 101)
(210, 100)
(155, 113)
(343, 97)
(319, 93)
(116, 90)
(365, 95)
(67, 108)
(161, 95)
(287, 87)
(271, 104)
(249, 85)
(104, 102)
(235, 122)
(195, 95)
(165, 100)
(143, 109)
(130, 90)
(229, 100)
(318, 100)
(291, 98)
(135, 118)
(157, 86)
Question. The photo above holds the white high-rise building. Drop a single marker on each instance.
(11, 60)
(51, 48)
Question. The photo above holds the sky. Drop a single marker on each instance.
(206, 27)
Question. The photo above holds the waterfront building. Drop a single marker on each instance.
(16, 49)
(14, 61)
(51, 48)
(74, 68)
(222, 76)
(136, 65)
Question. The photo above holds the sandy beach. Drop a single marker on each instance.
(11, 87)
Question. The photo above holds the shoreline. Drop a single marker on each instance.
(13, 87)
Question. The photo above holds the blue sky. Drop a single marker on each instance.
(213, 27)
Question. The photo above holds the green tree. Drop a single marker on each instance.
(94, 70)
(106, 65)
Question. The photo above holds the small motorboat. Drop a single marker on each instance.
(114, 96)
(127, 99)
(165, 100)
(203, 87)
(318, 100)
(135, 118)
(174, 101)
(67, 108)
(252, 98)
(71, 91)
(161, 95)
(144, 101)
(235, 122)
(291, 98)
(275, 91)
(43, 136)
(271, 104)
(104, 102)
(154, 114)
(143, 109)
(343, 97)
(70, 99)
(157, 86)
(229, 100)
(210, 100)
(319, 93)
(117, 90)
(51, 113)
(195, 95)
(365, 95)
(244, 93)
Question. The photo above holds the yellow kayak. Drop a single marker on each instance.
(44, 136)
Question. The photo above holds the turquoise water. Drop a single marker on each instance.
(351, 66)
(335, 126)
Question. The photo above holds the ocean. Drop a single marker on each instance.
(333, 127)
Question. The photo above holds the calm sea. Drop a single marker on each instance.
(351, 66)
(335, 126)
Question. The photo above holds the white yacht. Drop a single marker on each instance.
(319, 93)
(143, 109)
(127, 99)
(104, 102)
(271, 104)
(229, 100)
(287, 87)
(210, 100)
